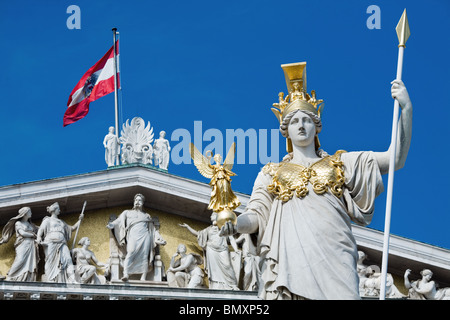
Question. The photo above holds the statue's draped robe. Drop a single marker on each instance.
(222, 196)
(251, 265)
(112, 148)
(137, 236)
(24, 267)
(58, 260)
(161, 153)
(218, 264)
(306, 244)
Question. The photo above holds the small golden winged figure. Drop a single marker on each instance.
(222, 197)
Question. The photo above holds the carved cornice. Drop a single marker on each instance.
(12, 290)
(112, 187)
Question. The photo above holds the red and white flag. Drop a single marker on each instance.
(97, 82)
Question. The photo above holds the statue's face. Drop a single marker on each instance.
(427, 276)
(136, 140)
(138, 202)
(181, 249)
(301, 129)
(55, 209)
(137, 152)
(218, 158)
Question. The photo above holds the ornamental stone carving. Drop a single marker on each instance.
(370, 280)
(136, 140)
(425, 288)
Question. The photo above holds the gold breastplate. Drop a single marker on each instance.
(324, 175)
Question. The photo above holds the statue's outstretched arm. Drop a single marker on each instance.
(246, 223)
(185, 225)
(399, 92)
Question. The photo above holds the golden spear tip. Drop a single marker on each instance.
(402, 29)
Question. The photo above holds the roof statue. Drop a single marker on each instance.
(112, 148)
(138, 145)
(161, 151)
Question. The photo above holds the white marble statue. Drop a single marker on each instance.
(425, 288)
(301, 209)
(252, 273)
(86, 264)
(136, 140)
(24, 267)
(161, 151)
(112, 148)
(218, 261)
(370, 280)
(185, 272)
(138, 237)
(53, 235)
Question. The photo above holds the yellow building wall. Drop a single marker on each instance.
(94, 227)
(400, 284)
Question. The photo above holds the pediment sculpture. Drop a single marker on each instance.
(136, 140)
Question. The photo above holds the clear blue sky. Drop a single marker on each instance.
(218, 62)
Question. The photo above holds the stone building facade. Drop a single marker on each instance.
(172, 200)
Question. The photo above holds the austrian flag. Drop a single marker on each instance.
(97, 82)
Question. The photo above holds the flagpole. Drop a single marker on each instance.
(403, 34)
(116, 100)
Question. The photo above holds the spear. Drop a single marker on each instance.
(78, 227)
(403, 34)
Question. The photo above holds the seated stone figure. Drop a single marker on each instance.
(425, 288)
(370, 280)
(185, 272)
(86, 264)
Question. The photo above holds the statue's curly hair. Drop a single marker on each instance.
(139, 195)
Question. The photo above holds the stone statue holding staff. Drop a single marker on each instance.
(301, 208)
(53, 235)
